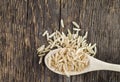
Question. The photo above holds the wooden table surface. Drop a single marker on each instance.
(22, 23)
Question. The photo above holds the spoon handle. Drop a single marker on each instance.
(112, 67)
(100, 65)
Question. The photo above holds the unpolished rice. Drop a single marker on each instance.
(67, 56)
(70, 41)
(62, 24)
(75, 24)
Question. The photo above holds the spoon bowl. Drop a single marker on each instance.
(94, 65)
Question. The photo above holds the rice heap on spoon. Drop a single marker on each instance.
(74, 50)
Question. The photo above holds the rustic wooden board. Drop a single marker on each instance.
(22, 23)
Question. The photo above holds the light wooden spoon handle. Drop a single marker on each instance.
(112, 67)
(100, 65)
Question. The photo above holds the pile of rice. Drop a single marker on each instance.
(73, 55)
(68, 60)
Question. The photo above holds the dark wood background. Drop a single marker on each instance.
(22, 23)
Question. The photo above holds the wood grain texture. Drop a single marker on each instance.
(22, 23)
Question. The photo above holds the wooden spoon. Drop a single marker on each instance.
(94, 65)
